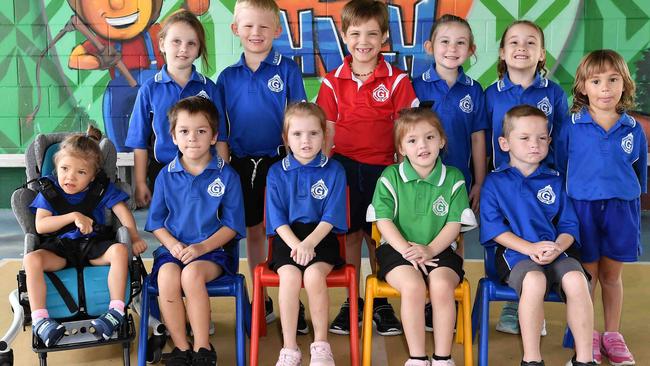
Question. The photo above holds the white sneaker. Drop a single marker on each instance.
(412, 362)
(289, 357)
(449, 362)
(321, 354)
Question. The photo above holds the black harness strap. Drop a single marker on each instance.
(63, 291)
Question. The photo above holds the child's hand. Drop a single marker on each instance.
(177, 249)
(420, 256)
(303, 253)
(142, 195)
(537, 254)
(139, 246)
(475, 197)
(191, 252)
(83, 222)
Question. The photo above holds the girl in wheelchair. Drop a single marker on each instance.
(71, 221)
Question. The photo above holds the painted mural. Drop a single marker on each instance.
(64, 63)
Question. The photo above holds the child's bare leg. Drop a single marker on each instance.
(36, 263)
(353, 250)
(316, 288)
(580, 313)
(171, 303)
(290, 283)
(117, 256)
(408, 281)
(592, 269)
(531, 313)
(611, 284)
(256, 247)
(193, 279)
(442, 282)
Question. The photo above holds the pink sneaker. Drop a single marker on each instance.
(595, 346)
(289, 357)
(615, 349)
(321, 354)
(412, 362)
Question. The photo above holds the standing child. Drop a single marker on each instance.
(534, 233)
(420, 207)
(604, 152)
(253, 95)
(361, 100)
(81, 189)
(196, 210)
(181, 40)
(522, 57)
(305, 208)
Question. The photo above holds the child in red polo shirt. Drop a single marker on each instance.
(361, 100)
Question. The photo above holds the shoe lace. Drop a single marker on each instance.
(321, 351)
(616, 345)
(289, 358)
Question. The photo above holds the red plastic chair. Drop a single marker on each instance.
(342, 277)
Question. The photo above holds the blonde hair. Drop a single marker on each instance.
(268, 5)
(83, 146)
(409, 117)
(356, 12)
(596, 62)
(516, 112)
(302, 109)
(502, 68)
(185, 16)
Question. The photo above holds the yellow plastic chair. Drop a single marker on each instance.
(377, 288)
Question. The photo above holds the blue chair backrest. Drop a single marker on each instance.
(232, 249)
(490, 264)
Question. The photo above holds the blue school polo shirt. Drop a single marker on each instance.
(254, 104)
(308, 193)
(461, 109)
(603, 164)
(534, 208)
(192, 208)
(501, 96)
(155, 97)
(112, 197)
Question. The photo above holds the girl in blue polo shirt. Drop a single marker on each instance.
(305, 208)
(604, 153)
(457, 99)
(522, 80)
(182, 41)
(196, 211)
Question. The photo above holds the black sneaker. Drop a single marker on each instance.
(573, 362)
(428, 317)
(268, 308)
(178, 358)
(341, 324)
(204, 357)
(303, 327)
(384, 318)
(532, 363)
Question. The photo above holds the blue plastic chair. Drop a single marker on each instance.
(491, 289)
(226, 285)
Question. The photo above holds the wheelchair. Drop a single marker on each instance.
(75, 296)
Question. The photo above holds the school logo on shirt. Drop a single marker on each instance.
(627, 143)
(216, 188)
(545, 106)
(319, 190)
(466, 105)
(380, 93)
(203, 94)
(440, 206)
(275, 84)
(546, 195)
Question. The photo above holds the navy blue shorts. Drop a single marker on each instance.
(609, 228)
(219, 256)
(361, 179)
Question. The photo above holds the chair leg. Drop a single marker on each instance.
(467, 325)
(354, 321)
(240, 319)
(458, 338)
(476, 309)
(144, 322)
(257, 320)
(484, 327)
(366, 358)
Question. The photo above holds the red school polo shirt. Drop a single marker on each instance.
(364, 113)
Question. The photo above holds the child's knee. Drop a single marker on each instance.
(290, 276)
(118, 252)
(33, 260)
(534, 283)
(313, 277)
(413, 290)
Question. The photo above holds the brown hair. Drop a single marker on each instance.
(82, 146)
(194, 105)
(356, 12)
(303, 109)
(408, 117)
(502, 68)
(597, 62)
(268, 5)
(516, 112)
(185, 16)
(450, 18)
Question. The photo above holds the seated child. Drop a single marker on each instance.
(196, 210)
(305, 207)
(79, 237)
(526, 211)
(420, 207)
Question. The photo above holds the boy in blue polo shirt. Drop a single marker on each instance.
(196, 211)
(533, 233)
(253, 94)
